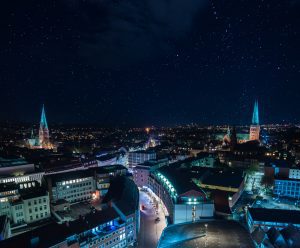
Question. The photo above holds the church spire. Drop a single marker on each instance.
(43, 123)
(255, 116)
(43, 131)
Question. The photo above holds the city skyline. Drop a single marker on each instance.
(202, 61)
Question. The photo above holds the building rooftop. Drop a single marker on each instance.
(92, 220)
(12, 161)
(184, 179)
(148, 151)
(224, 178)
(181, 179)
(38, 237)
(108, 168)
(107, 156)
(124, 193)
(8, 186)
(33, 193)
(53, 233)
(69, 175)
(269, 162)
(275, 215)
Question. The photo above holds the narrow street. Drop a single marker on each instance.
(150, 230)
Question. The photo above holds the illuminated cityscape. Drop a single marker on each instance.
(150, 124)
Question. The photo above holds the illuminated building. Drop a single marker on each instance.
(255, 127)
(73, 186)
(141, 172)
(287, 187)
(151, 143)
(182, 198)
(268, 218)
(24, 202)
(43, 140)
(44, 131)
(139, 157)
(81, 185)
(103, 229)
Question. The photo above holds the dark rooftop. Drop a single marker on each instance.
(149, 151)
(68, 175)
(12, 161)
(124, 193)
(33, 193)
(181, 179)
(223, 177)
(275, 215)
(108, 168)
(8, 186)
(269, 162)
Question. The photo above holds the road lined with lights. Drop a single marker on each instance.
(152, 221)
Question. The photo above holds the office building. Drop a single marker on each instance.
(287, 187)
(181, 197)
(141, 172)
(139, 157)
(116, 225)
(24, 203)
(73, 186)
(268, 218)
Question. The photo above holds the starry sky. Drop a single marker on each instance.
(150, 62)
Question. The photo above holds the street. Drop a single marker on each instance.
(150, 230)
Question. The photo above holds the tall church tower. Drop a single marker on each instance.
(255, 127)
(44, 131)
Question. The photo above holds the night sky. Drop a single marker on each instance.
(150, 62)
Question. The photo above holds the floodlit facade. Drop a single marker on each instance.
(287, 187)
(74, 186)
(141, 172)
(255, 127)
(184, 202)
(139, 157)
(44, 130)
(24, 203)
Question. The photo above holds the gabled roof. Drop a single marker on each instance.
(258, 235)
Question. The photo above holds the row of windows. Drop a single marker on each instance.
(73, 181)
(18, 207)
(37, 201)
(42, 215)
(66, 192)
(36, 209)
(78, 199)
(67, 195)
(19, 214)
(74, 186)
(287, 183)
